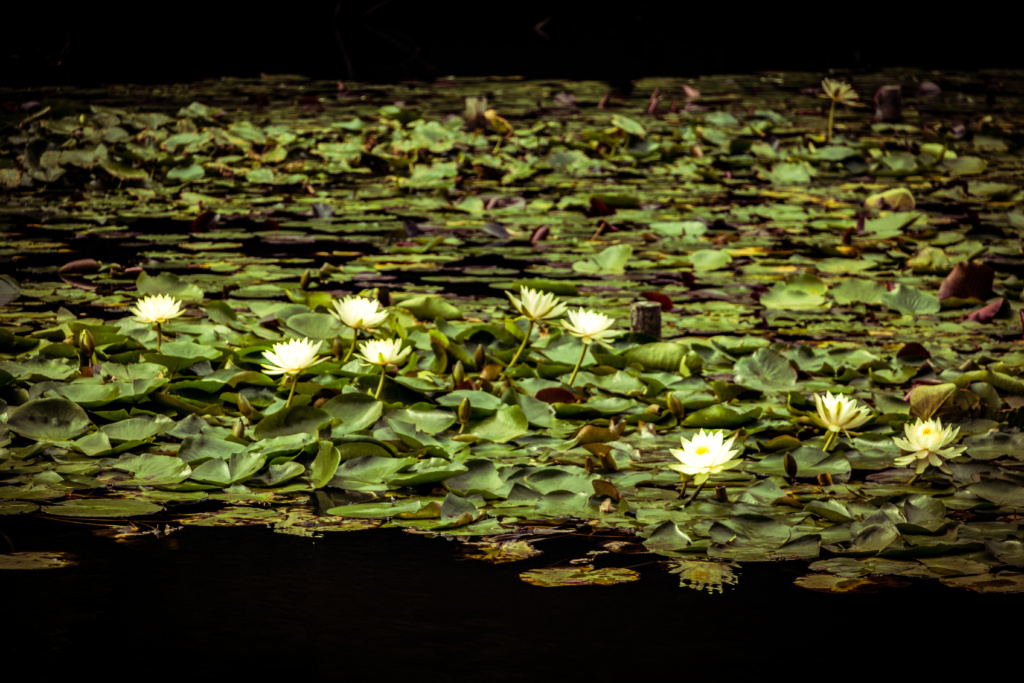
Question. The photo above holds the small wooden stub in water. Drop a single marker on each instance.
(645, 318)
(888, 104)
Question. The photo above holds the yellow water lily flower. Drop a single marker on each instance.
(157, 309)
(383, 352)
(840, 413)
(537, 305)
(292, 357)
(589, 326)
(360, 313)
(838, 91)
(928, 442)
(705, 454)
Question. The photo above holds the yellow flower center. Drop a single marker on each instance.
(926, 431)
(702, 450)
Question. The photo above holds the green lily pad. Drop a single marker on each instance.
(102, 508)
(48, 419)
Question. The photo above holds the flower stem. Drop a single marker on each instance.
(351, 348)
(696, 493)
(158, 336)
(578, 364)
(526, 340)
(380, 385)
(831, 120)
(917, 475)
(291, 393)
(830, 440)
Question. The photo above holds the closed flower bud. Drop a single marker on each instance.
(245, 408)
(478, 356)
(238, 431)
(458, 373)
(675, 407)
(87, 343)
(789, 465)
(306, 278)
(465, 410)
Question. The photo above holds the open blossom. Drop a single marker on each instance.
(360, 313)
(383, 352)
(291, 357)
(928, 442)
(838, 91)
(840, 413)
(158, 309)
(537, 305)
(705, 454)
(589, 326)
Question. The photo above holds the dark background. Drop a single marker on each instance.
(388, 40)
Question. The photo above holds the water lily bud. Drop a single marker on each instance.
(478, 356)
(238, 431)
(825, 479)
(245, 408)
(87, 343)
(465, 409)
(789, 464)
(458, 373)
(675, 406)
(720, 495)
(337, 348)
(304, 281)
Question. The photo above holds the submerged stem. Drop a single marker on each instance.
(831, 120)
(522, 347)
(352, 347)
(578, 364)
(158, 336)
(380, 385)
(830, 440)
(696, 493)
(295, 380)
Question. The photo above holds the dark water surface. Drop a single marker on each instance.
(220, 603)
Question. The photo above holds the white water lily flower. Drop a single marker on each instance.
(838, 91)
(157, 309)
(537, 305)
(589, 326)
(383, 351)
(360, 313)
(840, 413)
(292, 357)
(928, 442)
(705, 454)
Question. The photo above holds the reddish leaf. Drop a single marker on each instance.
(913, 349)
(968, 281)
(207, 220)
(690, 92)
(82, 265)
(664, 300)
(598, 208)
(987, 312)
(540, 234)
(556, 395)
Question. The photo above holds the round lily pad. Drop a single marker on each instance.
(49, 419)
(102, 507)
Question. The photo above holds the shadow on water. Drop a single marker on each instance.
(245, 601)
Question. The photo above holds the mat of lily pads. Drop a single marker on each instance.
(883, 265)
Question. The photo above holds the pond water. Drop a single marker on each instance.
(241, 602)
